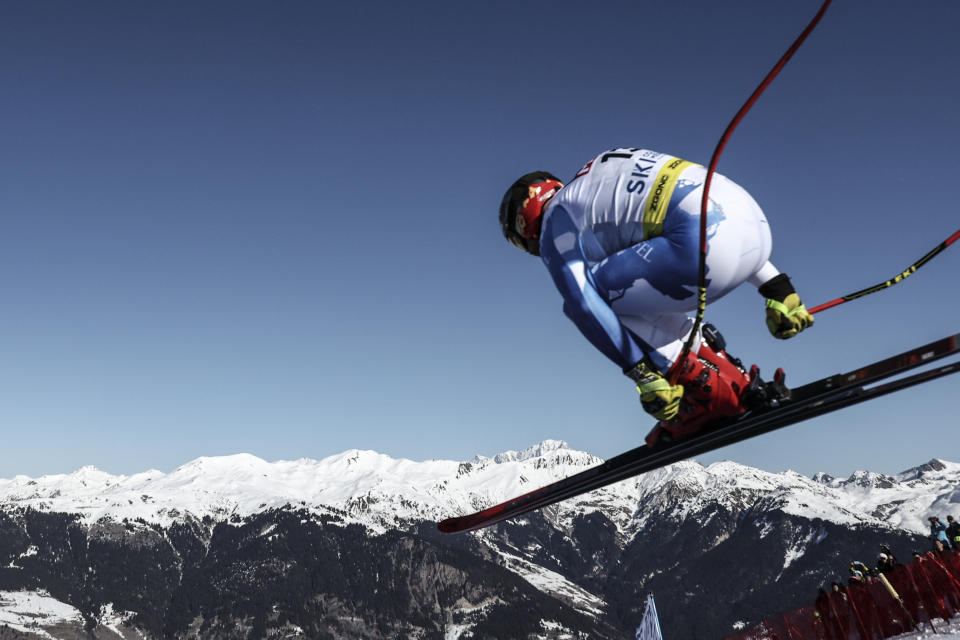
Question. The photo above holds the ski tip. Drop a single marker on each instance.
(448, 526)
(462, 524)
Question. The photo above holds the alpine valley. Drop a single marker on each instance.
(346, 547)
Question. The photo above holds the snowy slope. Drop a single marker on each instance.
(383, 492)
(942, 631)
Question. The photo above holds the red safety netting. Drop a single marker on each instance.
(918, 595)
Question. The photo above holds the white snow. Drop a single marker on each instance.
(382, 492)
(552, 582)
(555, 630)
(943, 631)
(30, 611)
(470, 613)
(113, 619)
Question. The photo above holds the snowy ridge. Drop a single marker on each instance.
(382, 492)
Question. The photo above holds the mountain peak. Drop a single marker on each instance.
(822, 478)
(869, 479)
(934, 467)
(536, 451)
(542, 449)
(230, 460)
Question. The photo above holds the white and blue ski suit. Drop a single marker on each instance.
(621, 241)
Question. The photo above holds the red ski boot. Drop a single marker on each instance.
(715, 387)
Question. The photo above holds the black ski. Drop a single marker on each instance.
(806, 402)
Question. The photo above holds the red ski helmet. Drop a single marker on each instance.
(522, 208)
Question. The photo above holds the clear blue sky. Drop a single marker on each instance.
(271, 227)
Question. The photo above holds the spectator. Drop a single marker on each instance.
(856, 576)
(836, 587)
(885, 549)
(864, 570)
(822, 602)
(941, 548)
(953, 532)
(886, 563)
(832, 629)
(938, 531)
(917, 556)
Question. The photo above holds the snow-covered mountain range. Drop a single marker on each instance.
(382, 492)
(235, 546)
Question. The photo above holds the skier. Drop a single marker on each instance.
(621, 242)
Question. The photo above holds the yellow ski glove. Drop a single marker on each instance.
(657, 396)
(786, 315)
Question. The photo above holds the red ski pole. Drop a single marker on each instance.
(702, 273)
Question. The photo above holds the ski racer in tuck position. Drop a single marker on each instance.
(621, 242)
